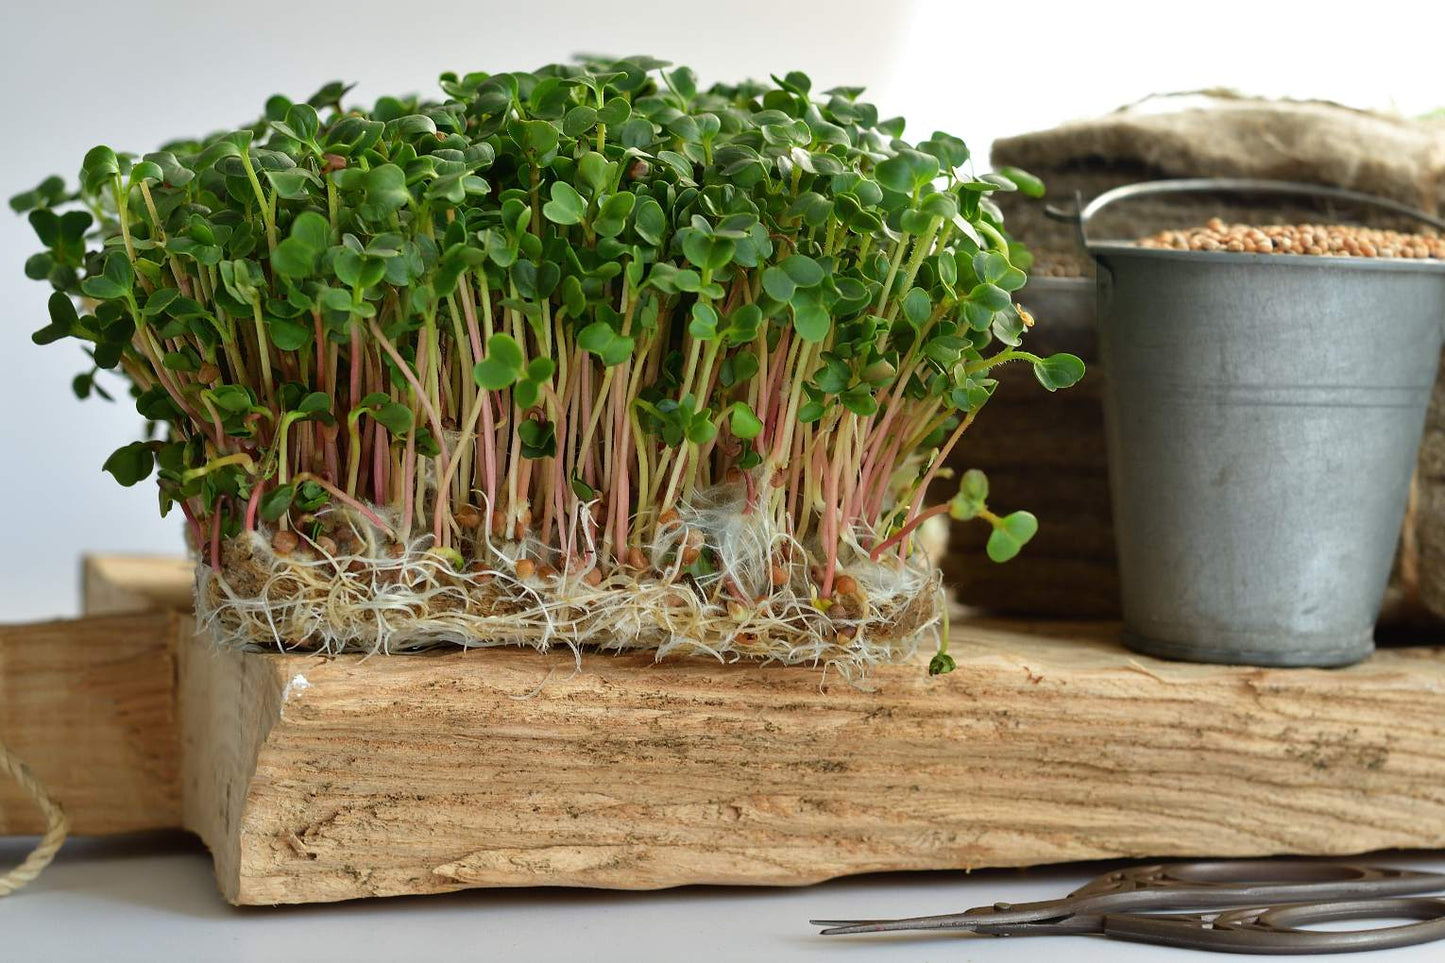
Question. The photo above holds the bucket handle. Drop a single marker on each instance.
(1083, 213)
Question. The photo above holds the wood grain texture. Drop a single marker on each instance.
(1049, 743)
(89, 704)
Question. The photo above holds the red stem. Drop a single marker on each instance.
(216, 538)
(907, 530)
(341, 496)
(253, 503)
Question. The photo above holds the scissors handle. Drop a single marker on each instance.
(1172, 888)
(1245, 882)
(1275, 931)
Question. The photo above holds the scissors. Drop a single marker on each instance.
(1234, 906)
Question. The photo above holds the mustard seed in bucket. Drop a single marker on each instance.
(1324, 240)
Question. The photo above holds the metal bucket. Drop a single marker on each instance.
(1263, 414)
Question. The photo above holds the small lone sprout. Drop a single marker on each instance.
(536, 329)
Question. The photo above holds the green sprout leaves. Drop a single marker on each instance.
(539, 372)
(1010, 532)
(605, 344)
(502, 366)
(972, 497)
(393, 415)
(1059, 371)
(47, 194)
(539, 438)
(941, 664)
(300, 253)
(907, 172)
(797, 281)
(64, 321)
(566, 206)
(383, 190)
(99, 169)
(114, 283)
(506, 367)
(308, 496)
(744, 422)
(131, 464)
(1026, 183)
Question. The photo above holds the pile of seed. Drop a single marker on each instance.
(1328, 240)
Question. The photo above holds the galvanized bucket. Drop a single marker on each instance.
(1263, 414)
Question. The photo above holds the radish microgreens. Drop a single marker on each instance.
(589, 282)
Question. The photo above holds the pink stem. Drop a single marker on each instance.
(341, 496)
(216, 538)
(939, 460)
(906, 530)
(408, 494)
(253, 503)
(881, 472)
(196, 537)
(379, 461)
(589, 465)
(432, 417)
(830, 524)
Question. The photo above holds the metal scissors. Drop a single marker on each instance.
(1231, 906)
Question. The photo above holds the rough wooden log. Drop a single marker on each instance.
(318, 779)
(323, 779)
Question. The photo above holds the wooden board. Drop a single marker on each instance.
(90, 705)
(114, 584)
(324, 779)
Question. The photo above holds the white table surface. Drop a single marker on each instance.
(152, 898)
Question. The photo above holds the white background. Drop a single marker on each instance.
(131, 73)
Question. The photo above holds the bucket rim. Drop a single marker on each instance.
(1292, 261)
(1049, 282)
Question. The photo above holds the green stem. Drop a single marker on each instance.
(268, 213)
(1003, 357)
(283, 430)
(999, 242)
(920, 251)
(263, 348)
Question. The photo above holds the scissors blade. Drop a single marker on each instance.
(999, 914)
(846, 927)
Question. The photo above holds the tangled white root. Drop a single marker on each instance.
(368, 599)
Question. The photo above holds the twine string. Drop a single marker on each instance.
(56, 824)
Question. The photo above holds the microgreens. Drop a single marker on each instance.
(592, 282)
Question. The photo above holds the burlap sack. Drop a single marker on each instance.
(1218, 134)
